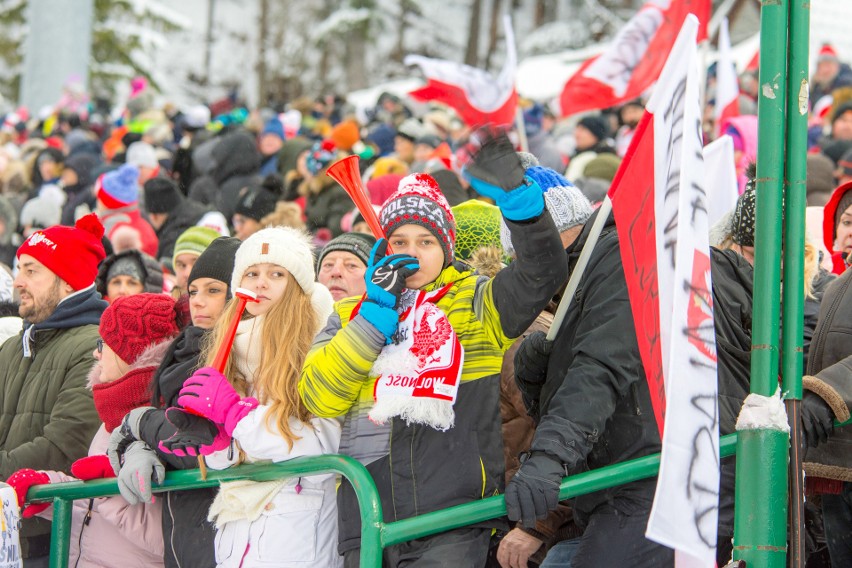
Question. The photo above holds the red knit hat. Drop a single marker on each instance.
(419, 201)
(131, 324)
(827, 53)
(72, 253)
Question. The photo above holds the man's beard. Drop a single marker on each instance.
(40, 310)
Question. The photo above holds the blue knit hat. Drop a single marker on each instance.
(119, 188)
(274, 126)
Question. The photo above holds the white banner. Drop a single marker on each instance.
(10, 549)
(720, 178)
(685, 508)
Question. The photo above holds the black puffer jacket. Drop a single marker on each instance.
(237, 162)
(326, 203)
(733, 279)
(187, 535)
(185, 215)
(595, 404)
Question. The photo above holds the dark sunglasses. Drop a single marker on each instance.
(100, 346)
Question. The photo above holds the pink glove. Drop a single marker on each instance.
(92, 467)
(208, 393)
(21, 481)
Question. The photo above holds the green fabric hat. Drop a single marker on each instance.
(477, 225)
(194, 240)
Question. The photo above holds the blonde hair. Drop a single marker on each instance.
(286, 214)
(285, 338)
(811, 268)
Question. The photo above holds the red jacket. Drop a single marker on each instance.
(115, 220)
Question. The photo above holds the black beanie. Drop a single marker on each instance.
(217, 261)
(595, 124)
(359, 244)
(742, 222)
(161, 195)
(256, 203)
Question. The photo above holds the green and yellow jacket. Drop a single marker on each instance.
(418, 469)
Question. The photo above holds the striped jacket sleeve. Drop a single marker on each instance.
(339, 362)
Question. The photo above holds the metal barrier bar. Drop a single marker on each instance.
(375, 535)
(491, 507)
(63, 494)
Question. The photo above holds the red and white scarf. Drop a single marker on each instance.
(418, 375)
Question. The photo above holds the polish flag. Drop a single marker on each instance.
(727, 85)
(660, 204)
(634, 60)
(477, 96)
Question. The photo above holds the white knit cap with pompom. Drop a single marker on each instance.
(290, 248)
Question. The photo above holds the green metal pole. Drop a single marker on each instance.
(60, 533)
(492, 507)
(760, 524)
(795, 198)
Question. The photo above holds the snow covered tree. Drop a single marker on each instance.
(12, 20)
(124, 34)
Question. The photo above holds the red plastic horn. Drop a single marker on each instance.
(224, 351)
(243, 297)
(347, 173)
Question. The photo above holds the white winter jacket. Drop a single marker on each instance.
(293, 528)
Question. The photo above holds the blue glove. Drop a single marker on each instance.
(495, 171)
(547, 178)
(521, 204)
(385, 277)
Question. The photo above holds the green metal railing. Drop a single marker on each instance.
(375, 534)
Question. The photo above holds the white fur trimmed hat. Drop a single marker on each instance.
(290, 248)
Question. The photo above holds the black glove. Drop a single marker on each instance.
(495, 171)
(531, 361)
(817, 419)
(385, 276)
(492, 159)
(193, 435)
(534, 491)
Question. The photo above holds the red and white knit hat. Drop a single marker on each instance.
(419, 201)
(827, 53)
(72, 253)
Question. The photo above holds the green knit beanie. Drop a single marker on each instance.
(194, 240)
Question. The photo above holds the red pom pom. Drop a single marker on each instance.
(328, 145)
(427, 181)
(91, 224)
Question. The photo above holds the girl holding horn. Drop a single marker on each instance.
(255, 402)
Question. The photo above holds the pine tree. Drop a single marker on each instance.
(124, 34)
(12, 20)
